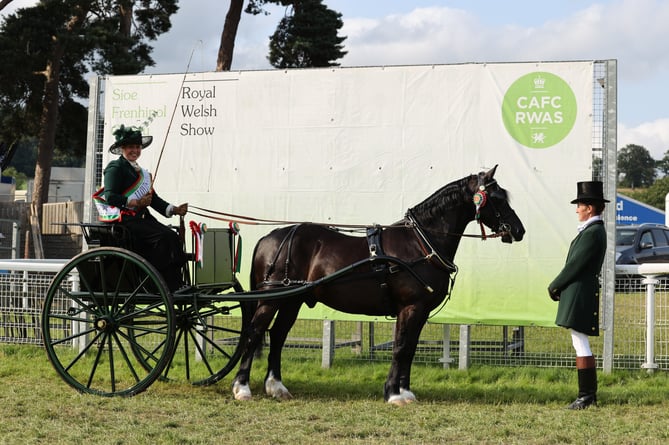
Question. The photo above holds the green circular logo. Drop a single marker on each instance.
(539, 110)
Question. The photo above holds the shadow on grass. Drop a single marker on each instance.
(307, 381)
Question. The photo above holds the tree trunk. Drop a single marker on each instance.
(47, 134)
(49, 117)
(125, 12)
(227, 46)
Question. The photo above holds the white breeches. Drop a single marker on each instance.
(581, 343)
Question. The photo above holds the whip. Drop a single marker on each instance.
(176, 103)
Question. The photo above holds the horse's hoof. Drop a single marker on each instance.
(274, 388)
(405, 397)
(283, 395)
(397, 400)
(408, 396)
(241, 392)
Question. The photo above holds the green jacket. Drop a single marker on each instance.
(578, 282)
(118, 176)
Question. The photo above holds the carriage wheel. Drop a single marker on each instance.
(209, 337)
(101, 308)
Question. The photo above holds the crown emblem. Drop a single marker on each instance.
(539, 82)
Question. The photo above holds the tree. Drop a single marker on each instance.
(48, 49)
(20, 178)
(655, 194)
(231, 24)
(308, 37)
(597, 167)
(663, 164)
(227, 45)
(636, 168)
(318, 43)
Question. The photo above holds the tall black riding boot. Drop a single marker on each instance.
(587, 383)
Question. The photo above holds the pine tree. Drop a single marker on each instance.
(308, 37)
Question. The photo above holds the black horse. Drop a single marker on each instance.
(404, 271)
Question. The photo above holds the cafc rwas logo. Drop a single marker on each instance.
(539, 110)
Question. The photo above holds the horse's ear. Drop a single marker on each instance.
(491, 173)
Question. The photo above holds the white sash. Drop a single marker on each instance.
(110, 213)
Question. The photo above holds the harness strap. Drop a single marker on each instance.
(374, 241)
(272, 265)
(381, 269)
(426, 244)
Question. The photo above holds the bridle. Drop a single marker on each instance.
(480, 200)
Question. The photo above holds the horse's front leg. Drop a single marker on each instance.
(285, 320)
(410, 322)
(252, 339)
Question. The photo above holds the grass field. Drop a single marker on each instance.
(343, 405)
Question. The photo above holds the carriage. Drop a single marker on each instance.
(112, 327)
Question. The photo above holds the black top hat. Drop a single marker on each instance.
(589, 191)
(129, 136)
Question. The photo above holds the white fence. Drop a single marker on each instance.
(641, 324)
(652, 273)
(23, 285)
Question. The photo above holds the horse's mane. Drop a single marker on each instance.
(446, 198)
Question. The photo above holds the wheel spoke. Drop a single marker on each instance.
(210, 346)
(176, 342)
(202, 352)
(81, 354)
(137, 347)
(210, 342)
(97, 360)
(123, 352)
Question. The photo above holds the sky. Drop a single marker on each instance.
(401, 32)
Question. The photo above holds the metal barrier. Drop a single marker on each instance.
(641, 339)
(23, 284)
(651, 272)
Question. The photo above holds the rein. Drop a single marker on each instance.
(249, 220)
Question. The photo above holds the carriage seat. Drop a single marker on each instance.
(107, 235)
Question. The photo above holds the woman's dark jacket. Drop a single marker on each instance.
(578, 282)
(119, 175)
(159, 244)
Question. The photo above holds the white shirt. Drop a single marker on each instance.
(590, 220)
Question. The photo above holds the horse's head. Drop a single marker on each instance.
(493, 209)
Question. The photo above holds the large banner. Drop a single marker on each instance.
(362, 145)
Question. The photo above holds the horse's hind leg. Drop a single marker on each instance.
(252, 338)
(285, 320)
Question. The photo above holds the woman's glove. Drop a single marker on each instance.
(554, 294)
